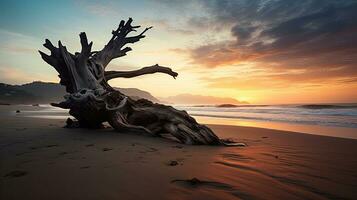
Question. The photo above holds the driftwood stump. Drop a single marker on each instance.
(92, 101)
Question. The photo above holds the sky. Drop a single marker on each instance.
(260, 51)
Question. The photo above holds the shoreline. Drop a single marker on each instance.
(42, 160)
(327, 131)
(48, 112)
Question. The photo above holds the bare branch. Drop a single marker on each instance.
(146, 70)
(49, 46)
(86, 50)
(134, 39)
(114, 48)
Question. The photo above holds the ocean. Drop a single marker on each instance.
(337, 120)
(340, 115)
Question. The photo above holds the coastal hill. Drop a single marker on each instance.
(43, 92)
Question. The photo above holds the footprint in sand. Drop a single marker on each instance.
(178, 161)
(107, 149)
(134, 144)
(151, 149)
(47, 146)
(177, 146)
(52, 145)
(173, 163)
(16, 173)
(195, 182)
(21, 129)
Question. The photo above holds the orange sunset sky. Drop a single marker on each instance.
(260, 51)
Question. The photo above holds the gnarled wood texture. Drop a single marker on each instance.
(92, 100)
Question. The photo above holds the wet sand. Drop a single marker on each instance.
(41, 160)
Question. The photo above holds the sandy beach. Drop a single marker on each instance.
(39, 159)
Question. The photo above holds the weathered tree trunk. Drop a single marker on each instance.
(92, 100)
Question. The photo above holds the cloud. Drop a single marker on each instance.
(199, 99)
(18, 49)
(169, 27)
(11, 75)
(315, 36)
(99, 8)
(282, 79)
(17, 43)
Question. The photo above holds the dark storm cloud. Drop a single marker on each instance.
(286, 34)
(324, 24)
(243, 33)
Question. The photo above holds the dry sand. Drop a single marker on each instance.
(41, 160)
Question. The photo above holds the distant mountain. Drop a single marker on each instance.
(42, 92)
(13, 94)
(138, 94)
(199, 99)
(36, 92)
